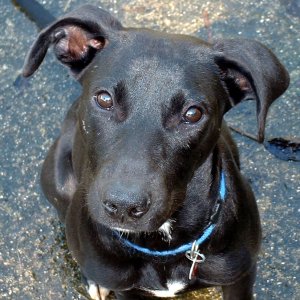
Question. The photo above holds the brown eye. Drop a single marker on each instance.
(104, 99)
(192, 115)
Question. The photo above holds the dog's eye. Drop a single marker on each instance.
(104, 99)
(192, 115)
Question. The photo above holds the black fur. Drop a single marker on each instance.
(141, 163)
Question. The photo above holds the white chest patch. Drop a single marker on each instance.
(173, 288)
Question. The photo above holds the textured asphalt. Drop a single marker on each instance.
(34, 261)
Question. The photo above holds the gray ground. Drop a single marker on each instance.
(34, 260)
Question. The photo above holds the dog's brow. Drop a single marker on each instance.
(121, 94)
(174, 107)
(176, 103)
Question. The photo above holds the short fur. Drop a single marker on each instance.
(141, 163)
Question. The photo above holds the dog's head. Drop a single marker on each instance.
(151, 108)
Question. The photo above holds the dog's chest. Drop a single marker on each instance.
(164, 280)
(173, 288)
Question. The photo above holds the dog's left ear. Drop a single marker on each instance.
(76, 38)
(249, 70)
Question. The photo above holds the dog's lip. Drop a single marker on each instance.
(165, 229)
(127, 230)
(123, 230)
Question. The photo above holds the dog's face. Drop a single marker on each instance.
(148, 118)
(151, 109)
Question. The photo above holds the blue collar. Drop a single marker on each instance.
(195, 244)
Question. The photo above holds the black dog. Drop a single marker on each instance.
(145, 174)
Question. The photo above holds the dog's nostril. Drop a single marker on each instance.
(111, 208)
(136, 212)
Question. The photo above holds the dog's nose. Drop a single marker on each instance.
(122, 202)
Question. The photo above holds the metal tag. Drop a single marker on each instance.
(195, 257)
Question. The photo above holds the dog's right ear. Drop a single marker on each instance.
(249, 70)
(76, 39)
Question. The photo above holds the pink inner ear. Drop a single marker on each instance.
(97, 44)
(239, 79)
(74, 45)
(243, 83)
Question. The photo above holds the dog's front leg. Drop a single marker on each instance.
(242, 289)
(57, 176)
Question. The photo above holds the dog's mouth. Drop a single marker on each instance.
(165, 231)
